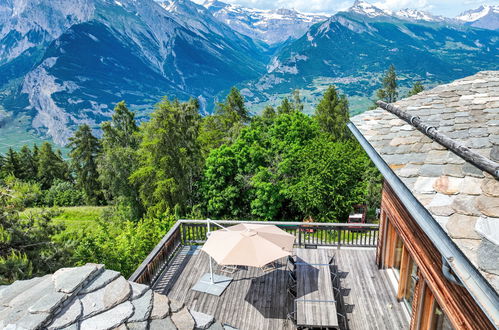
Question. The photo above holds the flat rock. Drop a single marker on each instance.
(216, 326)
(175, 306)
(448, 185)
(32, 294)
(183, 319)
(17, 288)
(162, 324)
(490, 187)
(137, 325)
(488, 206)
(161, 306)
(465, 204)
(462, 226)
(424, 185)
(488, 256)
(48, 303)
(440, 205)
(138, 289)
(105, 298)
(101, 280)
(471, 186)
(32, 321)
(67, 280)
(68, 315)
(109, 319)
(142, 307)
(202, 320)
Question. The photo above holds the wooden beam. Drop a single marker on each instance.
(455, 301)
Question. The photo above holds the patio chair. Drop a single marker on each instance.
(344, 318)
(292, 292)
(231, 269)
(292, 317)
(268, 267)
(291, 279)
(332, 261)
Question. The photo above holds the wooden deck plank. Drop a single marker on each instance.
(257, 300)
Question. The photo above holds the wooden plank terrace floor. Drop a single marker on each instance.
(257, 300)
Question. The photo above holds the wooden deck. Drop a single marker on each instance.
(257, 300)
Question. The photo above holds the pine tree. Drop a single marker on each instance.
(416, 88)
(285, 108)
(51, 166)
(332, 114)
(297, 101)
(388, 93)
(11, 163)
(28, 164)
(84, 151)
(234, 107)
(170, 157)
(120, 141)
(269, 113)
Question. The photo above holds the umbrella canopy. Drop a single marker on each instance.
(251, 245)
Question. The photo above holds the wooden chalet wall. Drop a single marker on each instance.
(454, 300)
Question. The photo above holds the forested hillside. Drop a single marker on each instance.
(280, 165)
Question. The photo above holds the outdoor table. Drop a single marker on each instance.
(315, 300)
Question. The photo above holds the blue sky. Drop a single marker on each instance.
(449, 8)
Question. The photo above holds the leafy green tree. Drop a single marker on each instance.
(416, 88)
(332, 114)
(329, 179)
(26, 248)
(84, 151)
(170, 157)
(117, 242)
(28, 164)
(64, 193)
(234, 107)
(120, 142)
(51, 166)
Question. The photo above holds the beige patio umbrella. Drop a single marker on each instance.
(251, 245)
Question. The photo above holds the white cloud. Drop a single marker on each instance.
(449, 8)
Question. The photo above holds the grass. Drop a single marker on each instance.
(74, 217)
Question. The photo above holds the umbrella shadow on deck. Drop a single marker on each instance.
(310, 275)
(268, 294)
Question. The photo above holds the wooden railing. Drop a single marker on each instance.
(308, 235)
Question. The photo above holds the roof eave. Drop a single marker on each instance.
(483, 293)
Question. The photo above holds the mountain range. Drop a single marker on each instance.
(66, 62)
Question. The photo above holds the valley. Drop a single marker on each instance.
(65, 64)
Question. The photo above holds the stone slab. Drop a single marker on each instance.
(105, 298)
(202, 320)
(68, 315)
(183, 319)
(101, 280)
(109, 319)
(161, 306)
(220, 283)
(142, 307)
(67, 280)
(162, 324)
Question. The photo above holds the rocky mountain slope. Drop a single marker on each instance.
(67, 62)
(352, 49)
(270, 26)
(485, 17)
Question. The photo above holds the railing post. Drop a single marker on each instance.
(299, 236)
(339, 237)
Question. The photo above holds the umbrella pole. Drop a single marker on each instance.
(211, 273)
(211, 267)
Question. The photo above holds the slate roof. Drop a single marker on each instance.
(463, 199)
(92, 297)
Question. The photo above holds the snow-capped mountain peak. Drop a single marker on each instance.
(418, 15)
(475, 14)
(272, 26)
(365, 8)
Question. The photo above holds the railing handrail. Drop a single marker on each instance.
(176, 227)
(155, 251)
(286, 223)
